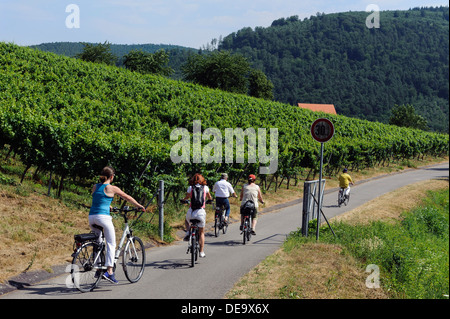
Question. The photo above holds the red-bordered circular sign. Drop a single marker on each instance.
(322, 130)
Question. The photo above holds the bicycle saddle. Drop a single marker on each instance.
(195, 221)
(98, 227)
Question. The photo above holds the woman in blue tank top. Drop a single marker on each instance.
(99, 214)
(100, 201)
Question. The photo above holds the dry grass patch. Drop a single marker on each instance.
(312, 271)
(36, 232)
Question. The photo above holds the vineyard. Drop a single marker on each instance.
(70, 118)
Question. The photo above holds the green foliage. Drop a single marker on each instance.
(98, 53)
(5, 180)
(177, 54)
(405, 115)
(260, 86)
(218, 70)
(413, 255)
(432, 218)
(335, 58)
(151, 230)
(225, 71)
(154, 63)
(72, 118)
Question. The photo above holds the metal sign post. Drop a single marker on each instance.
(319, 201)
(322, 130)
(161, 209)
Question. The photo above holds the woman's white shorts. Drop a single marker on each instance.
(199, 214)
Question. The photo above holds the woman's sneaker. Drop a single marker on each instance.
(110, 278)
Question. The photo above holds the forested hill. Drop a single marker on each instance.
(336, 59)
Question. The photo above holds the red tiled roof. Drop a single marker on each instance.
(326, 108)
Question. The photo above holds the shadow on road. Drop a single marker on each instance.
(436, 169)
(170, 264)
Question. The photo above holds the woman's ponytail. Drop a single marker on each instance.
(107, 173)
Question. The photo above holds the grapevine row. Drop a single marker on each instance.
(72, 118)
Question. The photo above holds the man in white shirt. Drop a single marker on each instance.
(223, 189)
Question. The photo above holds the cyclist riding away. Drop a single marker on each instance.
(223, 189)
(197, 192)
(99, 214)
(345, 181)
(251, 191)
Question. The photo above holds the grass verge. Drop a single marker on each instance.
(409, 247)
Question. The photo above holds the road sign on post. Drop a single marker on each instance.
(322, 130)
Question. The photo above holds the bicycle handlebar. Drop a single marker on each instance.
(125, 209)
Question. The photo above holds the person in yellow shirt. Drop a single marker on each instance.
(345, 181)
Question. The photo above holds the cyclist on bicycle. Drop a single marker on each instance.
(223, 189)
(99, 214)
(197, 183)
(345, 181)
(251, 191)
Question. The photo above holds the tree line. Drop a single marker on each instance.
(212, 68)
(336, 59)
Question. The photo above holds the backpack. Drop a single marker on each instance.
(197, 197)
(248, 207)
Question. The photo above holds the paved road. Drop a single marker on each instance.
(168, 274)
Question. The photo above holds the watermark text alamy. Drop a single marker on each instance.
(256, 141)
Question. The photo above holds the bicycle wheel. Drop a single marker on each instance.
(244, 231)
(85, 274)
(346, 199)
(133, 259)
(193, 250)
(224, 226)
(340, 200)
(217, 226)
(197, 246)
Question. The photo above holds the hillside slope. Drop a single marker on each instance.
(336, 59)
(72, 118)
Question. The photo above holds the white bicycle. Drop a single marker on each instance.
(88, 263)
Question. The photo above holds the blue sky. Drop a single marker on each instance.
(191, 23)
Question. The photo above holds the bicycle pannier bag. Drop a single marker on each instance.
(248, 207)
(81, 238)
(197, 197)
